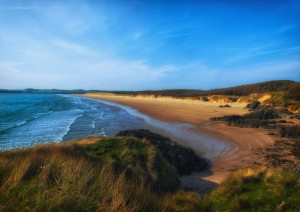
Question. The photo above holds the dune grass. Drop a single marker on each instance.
(85, 176)
(126, 174)
(258, 190)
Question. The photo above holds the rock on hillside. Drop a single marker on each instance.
(182, 158)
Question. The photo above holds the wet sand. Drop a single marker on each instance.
(228, 148)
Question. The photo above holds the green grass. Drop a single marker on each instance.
(121, 152)
(138, 159)
(126, 174)
(256, 190)
(85, 176)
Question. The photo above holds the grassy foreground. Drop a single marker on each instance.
(127, 174)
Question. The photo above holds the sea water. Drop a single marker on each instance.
(29, 119)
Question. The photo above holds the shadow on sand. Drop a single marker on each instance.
(195, 182)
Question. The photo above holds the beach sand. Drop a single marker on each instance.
(243, 142)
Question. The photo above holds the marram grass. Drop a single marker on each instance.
(120, 174)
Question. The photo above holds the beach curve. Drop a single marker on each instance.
(240, 144)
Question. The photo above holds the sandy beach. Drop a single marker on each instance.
(243, 142)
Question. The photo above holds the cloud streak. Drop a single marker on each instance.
(73, 47)
(261, 51)
(19, 8)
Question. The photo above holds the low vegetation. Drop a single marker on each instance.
(257, 190)
(253, 105)
(221, 106)
(259, 118)
(128, 174)
(290, 131)
(294, 92)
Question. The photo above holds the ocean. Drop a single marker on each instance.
(29, 119)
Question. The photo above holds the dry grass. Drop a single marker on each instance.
(63, 177)
(83, 177)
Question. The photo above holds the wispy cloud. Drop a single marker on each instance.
(265, 71)
(74, 18)
(200, 75)
(73, 47)
(92, 70)
(136, 35)
(19, 8)
(178, 35)
(294, 49)
(284, 29)
(243, 55)
(174, 32)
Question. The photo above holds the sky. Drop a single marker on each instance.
(147, 44)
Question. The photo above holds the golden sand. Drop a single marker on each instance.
(244, 141)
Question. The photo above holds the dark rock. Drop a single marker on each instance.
(227, 105)
(184, 159)
(282, 121)
(253, 105)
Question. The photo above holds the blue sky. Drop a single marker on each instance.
(138, 45)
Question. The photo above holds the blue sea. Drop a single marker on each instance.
(29, 119)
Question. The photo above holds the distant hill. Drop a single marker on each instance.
(243, 90)
(45, 91)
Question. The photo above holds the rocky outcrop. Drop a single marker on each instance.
(184, 159)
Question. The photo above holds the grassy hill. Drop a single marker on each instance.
(127, 174)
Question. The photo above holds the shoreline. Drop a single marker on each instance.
(242, 142)
(181, 133)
